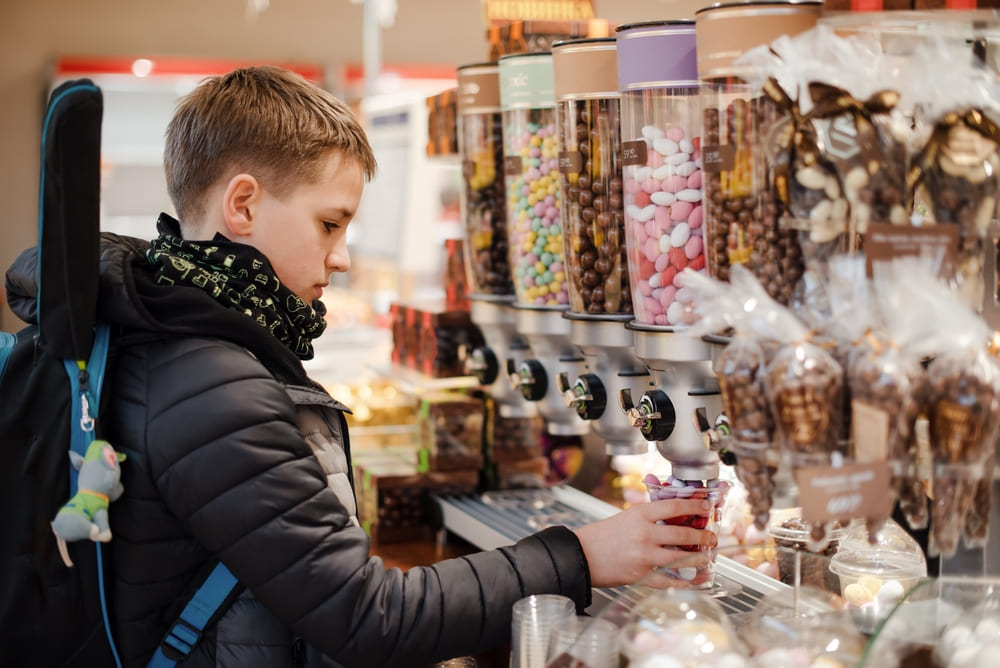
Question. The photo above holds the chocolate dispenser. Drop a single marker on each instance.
(664, 227)
(536, 257)
(600, 298)
(483, 203)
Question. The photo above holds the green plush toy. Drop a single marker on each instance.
(99, 483)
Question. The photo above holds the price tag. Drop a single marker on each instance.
(570, 162)
(512, 165)
(884, 241)
(718, 158)
(634, 153)
(853, 490)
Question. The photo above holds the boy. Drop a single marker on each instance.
(234, 454)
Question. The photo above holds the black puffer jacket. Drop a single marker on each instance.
(201, 401)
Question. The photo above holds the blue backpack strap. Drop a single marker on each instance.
(86, 378)
(186, 632)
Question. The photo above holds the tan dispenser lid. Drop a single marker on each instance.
(725, 32)
(585, 68)
(478, 88)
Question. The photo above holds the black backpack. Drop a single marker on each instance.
(51, 376)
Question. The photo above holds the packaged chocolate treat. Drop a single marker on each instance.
(960, 401)
(956, 162)
(740, 370)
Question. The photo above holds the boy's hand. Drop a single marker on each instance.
(627, 547)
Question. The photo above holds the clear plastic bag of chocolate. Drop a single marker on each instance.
(739, 369)
(954, 169)
(961, 401)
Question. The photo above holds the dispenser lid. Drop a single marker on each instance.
(657, 54)
(585, 68)
(526, 81)
(478, 88)
(727, 31)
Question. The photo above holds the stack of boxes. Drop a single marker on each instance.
(431, 339)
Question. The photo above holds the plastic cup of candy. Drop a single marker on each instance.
(701, 576)
(875, 577)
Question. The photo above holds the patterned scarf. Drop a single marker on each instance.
(240, 277)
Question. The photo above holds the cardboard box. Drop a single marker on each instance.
(451, 427)
(394, 502)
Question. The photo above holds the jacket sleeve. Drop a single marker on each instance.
(230, 463)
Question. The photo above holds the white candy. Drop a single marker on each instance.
(678, 158)
(654, 280)
(643, 173)
(657, 660)
(952, 640)
(686, 169)
(679, 235)
(675, 313)
(890, 592)
(821, 212)
(811, 177)
(646, 213)
(988, 629)
(686, 145)
(730, 660)
(663, 198)
(664, 146)
(689, 195)
(684, 296)
(687, 572)
(651, 132)
(964, 656)
(986, 657)
(825, 662)
(665, 243)
(663, 171)
(831, 188)
(839, 209)
(633, 211)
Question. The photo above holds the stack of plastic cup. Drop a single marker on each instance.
(589, 642)
(534, 618)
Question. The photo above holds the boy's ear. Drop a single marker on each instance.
(239, 205)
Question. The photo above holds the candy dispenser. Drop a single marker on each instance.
(741, 210)
(590, 176)
(661, 164)
(483, 197)
(536, 253)
(661, 157)
(600, 299)
(484, 211)
(532, 181)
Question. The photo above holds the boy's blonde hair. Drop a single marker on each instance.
(265, 121)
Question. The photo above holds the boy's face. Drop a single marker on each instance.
(304, 234)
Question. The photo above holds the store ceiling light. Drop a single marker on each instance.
(142, 67)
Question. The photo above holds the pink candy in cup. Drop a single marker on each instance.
(702, 577)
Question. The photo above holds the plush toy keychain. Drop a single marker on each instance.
(98, 484)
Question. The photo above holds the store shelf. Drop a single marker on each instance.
(414, 382)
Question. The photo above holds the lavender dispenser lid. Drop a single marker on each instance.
(656, 54)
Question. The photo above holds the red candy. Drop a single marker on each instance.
(667, 277)
(678, 260)
(646, 269)
(642, 199)
(697, 263)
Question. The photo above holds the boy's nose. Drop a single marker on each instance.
(339, 260)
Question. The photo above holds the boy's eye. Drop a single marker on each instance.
(330, 227)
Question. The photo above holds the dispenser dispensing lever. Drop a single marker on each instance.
(715, 436)
(654, 416)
